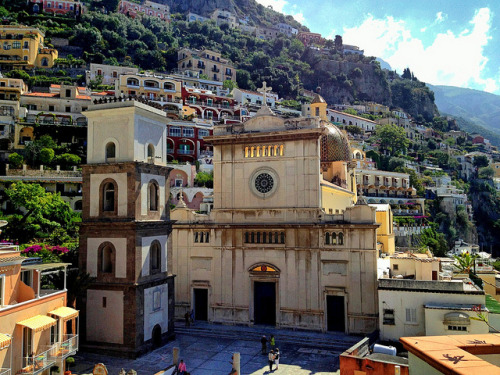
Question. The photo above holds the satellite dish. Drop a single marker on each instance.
(3, 223)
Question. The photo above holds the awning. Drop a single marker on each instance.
(65, 313)
(43, 266)
(5, 340)
(38, 323)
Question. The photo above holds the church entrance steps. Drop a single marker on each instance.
(334, 342)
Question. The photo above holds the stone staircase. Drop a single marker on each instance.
(331, 341)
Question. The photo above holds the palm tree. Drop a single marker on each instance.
(465, 262)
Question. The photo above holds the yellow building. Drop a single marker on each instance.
(385, 232)
(163, 90)
(376, 109)
(206, 62)
(37, 330)
(496, 168)
(285, 244)
(22, 47)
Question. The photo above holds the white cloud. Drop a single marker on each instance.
(440, 17)
(299, 17)
(277, 5)
(450, 59)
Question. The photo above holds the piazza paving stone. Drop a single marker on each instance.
(210, 354)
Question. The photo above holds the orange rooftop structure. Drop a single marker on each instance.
(457, 354)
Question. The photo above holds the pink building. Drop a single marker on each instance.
(148, 8)
(57, 7)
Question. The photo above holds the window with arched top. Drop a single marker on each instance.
(327, 238)
(151, 153)
(341, 238)
(153, 196)
(282, 237)
(155, 257)
(109, 194)
(78, 205)
(334, 238)
(107, 259)
(110, 151)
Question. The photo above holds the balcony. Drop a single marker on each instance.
(170, 150)
(185, 152)
(69, 346)
(5, 371)
(215, 70)
(210, 104)
(44, 359)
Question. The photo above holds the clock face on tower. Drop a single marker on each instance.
(264, 182)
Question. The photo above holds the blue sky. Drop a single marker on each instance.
(444, 42)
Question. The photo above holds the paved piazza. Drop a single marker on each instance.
(206, 355)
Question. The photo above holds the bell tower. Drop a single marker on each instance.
(128, 309)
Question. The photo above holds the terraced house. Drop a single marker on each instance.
(206, 62)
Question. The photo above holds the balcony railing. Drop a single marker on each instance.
(68, 347)
(210, 104)
(5, 371)
(185, 152)
(39, 362)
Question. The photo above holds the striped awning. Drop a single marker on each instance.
(5, 340)
(65, 313)
(38, 323)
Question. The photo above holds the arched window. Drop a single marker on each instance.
(258, 151)
(107, 259)
(110, 151)
(341, 238)
(246, 152)
(132, 82)
(246, 237)
(207, 237)
(281, 150)
(276, 239)
(269, 150)
(264, 237)
(45, 62)
(334, 238)
(78, 205)
(282, 237)
(275, 150)
(258, 237)
(108, 203)
(153, 196)
(252, 235)
(327, 238)
(155, 257)
(151, 153)
(196, 237)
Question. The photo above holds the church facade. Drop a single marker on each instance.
(129, 308)
(285, 244)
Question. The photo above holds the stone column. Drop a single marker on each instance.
(175, 356)
(236, 363)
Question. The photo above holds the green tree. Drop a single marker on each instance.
(41, 212)
(228, 84)
(15, 160)
(486, 173)
(392, 139)
(21, 74)
(435, 241)
(67, 161)
(465, 262)
(480, 161)
(204, 179)
(46, 156)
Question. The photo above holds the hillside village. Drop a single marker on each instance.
(391, 169)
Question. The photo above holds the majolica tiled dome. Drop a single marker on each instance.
(335, 145)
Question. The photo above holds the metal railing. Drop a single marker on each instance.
(39, 362)
(68, 346)
(185, 152)
(5, 371)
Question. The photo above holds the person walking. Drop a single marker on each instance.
(277, 358)
(187, 319)
(263, 341)
(182, 368)
(270, 357)
(191, 316)
(272, 342)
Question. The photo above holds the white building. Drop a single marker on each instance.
(221, 16)
(286, 29)
(347, 119)
(252, 97)
(427, 308)
(193, 17)
(109, 73)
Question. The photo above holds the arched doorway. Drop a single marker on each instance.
(156, 336)
(264, 286)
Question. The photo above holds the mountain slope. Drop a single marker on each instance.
(480, 107)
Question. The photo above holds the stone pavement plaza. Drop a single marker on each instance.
(208, 351)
